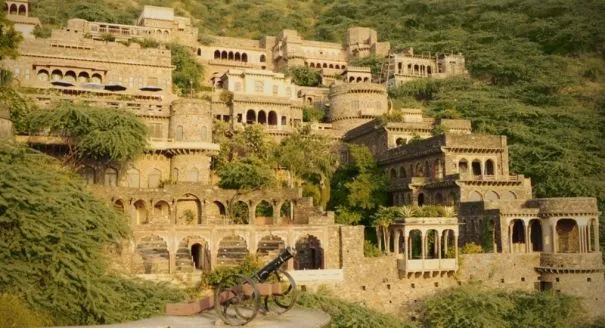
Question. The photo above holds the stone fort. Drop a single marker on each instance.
(190, 225)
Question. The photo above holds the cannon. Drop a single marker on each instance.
(238, 299)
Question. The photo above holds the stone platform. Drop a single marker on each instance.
(295, 318)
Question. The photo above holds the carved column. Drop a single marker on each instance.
(396, 242)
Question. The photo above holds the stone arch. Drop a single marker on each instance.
(491, 195)
(286, 210)
(312, 65)
(83, 77)
(240, 212)
(154, 179)
(216, 209)
(359, 79)
(238, 56)
(421, 199)
(153, 256)
(70, 76)
(309, 254)
(119, 205)
(96, 78)
(447, 244)
(476, 167)
(402, 173)
(269, 247)
(88, 173)
(56, 75)
(133, 178)
(518, 237)
(264, 59)
(489, 167)
(509, 195)
(400, 141)
(161, 212)
(263, 212)
(262, 117)
(141, 213)
(463, 166)
(351, 79)
(224, 55)
(415, 245)
(568, 236)
(439, 199)
(324, 65)
(111, 177)
(245, 57)
(188, 210)
(250, 116)
(232, 250)
(13, 9)
(193, 253)
(331, 66)
(452, 198)
(43, 75)
(393, 173)
(272, 118)
(416, 69)
(429, 70)
(22, 10)
(475, 196)
(432, 244)
(366, 79)
(217, 54)
(535, 235)
(230, 55)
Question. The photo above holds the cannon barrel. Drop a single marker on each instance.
(264, 273)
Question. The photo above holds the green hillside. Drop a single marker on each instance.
(537, 67)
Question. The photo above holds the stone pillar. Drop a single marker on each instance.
(527, 236)
(172, 264)
(396, 242)
(423, 250)
(596, 236)
(408, 249)
(456, 245)
(276, 213)
(510, 238)
(580, 238)
(438, 244)
(554, 239)
(251, 214)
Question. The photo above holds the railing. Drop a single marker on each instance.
(427, 265)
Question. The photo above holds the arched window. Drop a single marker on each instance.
(154, 179)
(22, 10)
(535, 235)
(88, 173)
(491, 195)
(421, 199)
(199, 51)
(224, 55)
(83, 77)
(264, 59)
(489, 167)
(262, 117)
(402, 173)
(331, 66)
(325, 65)
(463, 166)
(245, 57)
(428, 70)
(272, 118)
(70, 76)
(238, 57)
(250, 116)
(367, 79)
(393, 174)
(351, 79)
(111, 177)
(179, 133)
(217, 54)
(57, 75)
(312, 65)
(133, 178)
(358, 79)
(43, 75)
(13, 9)
(96, 78)
(230, 55)
(475, 196)
(568, 236)
(476, 167)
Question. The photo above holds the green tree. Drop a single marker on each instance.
(245, 174)
(54, 237)
(188, 74)
(304, 76)
(91, 133)
(382, 220)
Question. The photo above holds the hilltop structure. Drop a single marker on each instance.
(184, 224)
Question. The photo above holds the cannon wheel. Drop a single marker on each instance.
(236, 300)
(286, 300)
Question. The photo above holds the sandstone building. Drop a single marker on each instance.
(183, 224)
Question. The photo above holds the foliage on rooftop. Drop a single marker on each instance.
(55, 238)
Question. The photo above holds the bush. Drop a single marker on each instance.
(471, 306)
(304, 76)
(370, 250)
(471, 248)
(248, 267)
(15, 314)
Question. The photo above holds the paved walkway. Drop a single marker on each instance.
(295, 318)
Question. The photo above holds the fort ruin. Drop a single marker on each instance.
(193, 226)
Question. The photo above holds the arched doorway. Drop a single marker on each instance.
(250, 117)
(518, 236)
(535, 235)
(568, 236)
(141, 212)
(309, 254)
(264, 213)
(232, 250)
(421, 199)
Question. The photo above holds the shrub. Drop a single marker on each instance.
(370, 250)
(471, 248)
(15, 314)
